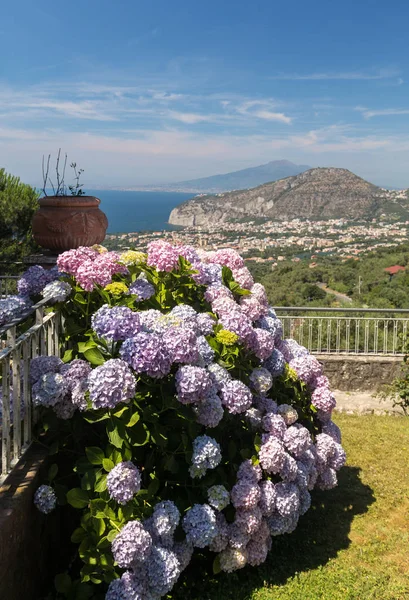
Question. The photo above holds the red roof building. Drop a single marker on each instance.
(393, 270)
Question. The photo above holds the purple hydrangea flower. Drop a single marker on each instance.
(13, 307)
(162, 571)
(259, 291)
(49, 389)
(287, 499)
(221, 540)
(123, 482)
(206, 455)
(184, 553)
(200, 525)
(205, 323)
(142, 289)
(291, 349)
(236, 396)
(192, 384)
(165, 518)
(240, 325)
(297, 439)
(323, 399)
(215, 291)
(145, 353)
(34, 280)
(116, 323)
(249, 471)
(251, 307)
(327, 479)
(209, 412)
(274, 424)
(279, 525)
(186, 315)
(245, 494)
(110, 384)
(40, 365)
(208, 274)
(76, 377)
(132, 545)
(331, 429)
(130, 586)
(254, 417)
(273, 325)
(243, 277)
(272, 454)
(219, 375)
(181, 345)
(206, 352)
(262, 343)
(307, 368)
(45, 499)
(261, 380)
(267, 502)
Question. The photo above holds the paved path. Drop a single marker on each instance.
(364, 403)
(338, 295)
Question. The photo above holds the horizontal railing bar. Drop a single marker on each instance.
(391, 319)
(341, 310)
(27, 313)
(26, 335)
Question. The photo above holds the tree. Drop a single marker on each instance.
(18, 202)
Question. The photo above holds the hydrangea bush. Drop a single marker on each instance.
(184, 421)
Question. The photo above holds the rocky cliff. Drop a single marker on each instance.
(315, 194)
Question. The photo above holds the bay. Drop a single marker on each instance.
(138, 211)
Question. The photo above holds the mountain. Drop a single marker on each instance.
(315, 194)
(237, 180)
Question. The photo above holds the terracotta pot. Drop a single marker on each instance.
(66, 222)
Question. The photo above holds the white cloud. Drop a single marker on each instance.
(343, 75)
(382, 112)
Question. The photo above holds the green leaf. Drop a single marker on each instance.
(114, 436)
(52, 472)
(101, 484)
(62, 583)
(112, 535)
(84, 346)
(78, 535)
(216, 565)
(133, 420)
(95, 455)
(94, 356)
(120, 412)
(80, 298)
(68, 356)
(108, 464)
(78, 498)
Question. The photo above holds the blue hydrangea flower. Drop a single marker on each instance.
(275, 363)
(40, 365)
(261, 380)
(45, 499)
(142, 289)
(206, 455)
(200, 525)
(209, 412)
(57, 291)
(206, 352)
(162, 570)
(49, 389)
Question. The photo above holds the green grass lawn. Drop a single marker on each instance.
(352, 544)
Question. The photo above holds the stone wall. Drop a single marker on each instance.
(360, 373)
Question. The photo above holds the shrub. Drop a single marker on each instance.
(180, 419)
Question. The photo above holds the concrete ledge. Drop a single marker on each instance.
(25, 540)
(360, 373)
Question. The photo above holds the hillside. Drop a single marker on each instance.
(314, 194)
(236, 180)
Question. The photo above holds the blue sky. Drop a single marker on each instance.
(145, 92)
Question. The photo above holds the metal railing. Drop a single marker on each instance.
(8, 285)
(359, 331)
(18, 415)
